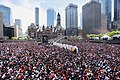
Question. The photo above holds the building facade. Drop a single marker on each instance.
(8, 32)
(116, 10)
(17, 31)
(1, 25)
(6, 11)
(37, 33)
(32, 31)
(50, 17)
(59, 29)
(37, 16)
(116, 25)
(18, 22)
(103, 28)
(116, 22)
(91, 13)
(106, 9)
(71, 14)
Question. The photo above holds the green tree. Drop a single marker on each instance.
(113, 33)
(28, 37)
(14, 38)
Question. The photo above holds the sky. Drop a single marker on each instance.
(25, 10)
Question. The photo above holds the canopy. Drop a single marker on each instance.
(105, 36)
(96, 38)
(66, 46)
(116, 35)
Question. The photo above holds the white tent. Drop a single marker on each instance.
(105, 37)
(116, 35)
(95, 38)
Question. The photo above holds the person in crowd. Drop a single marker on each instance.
(30, 61)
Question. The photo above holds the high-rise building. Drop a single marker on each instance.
(116, 22)
(116, 10)
(17, 31)
(6, 11)
(106, 9)
(17, 28)
(37, 16)
(71, 15)
(1, 26)
(18, 22)
(103, 28)
(50, 17)
(91, 15)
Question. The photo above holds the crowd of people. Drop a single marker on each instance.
(30, 61)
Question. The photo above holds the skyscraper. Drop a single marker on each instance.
(6, 11)
(91, 15)
(106, 9)
(37, 16)
(116, 22)
(71, 14)
(50, 17)
(1, 25)
(18, 22)
(116, 10)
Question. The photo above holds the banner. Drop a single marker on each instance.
(66, 46)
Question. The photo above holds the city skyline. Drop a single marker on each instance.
(24, 10)
(26, 7)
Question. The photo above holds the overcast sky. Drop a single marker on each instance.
(25, 10)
